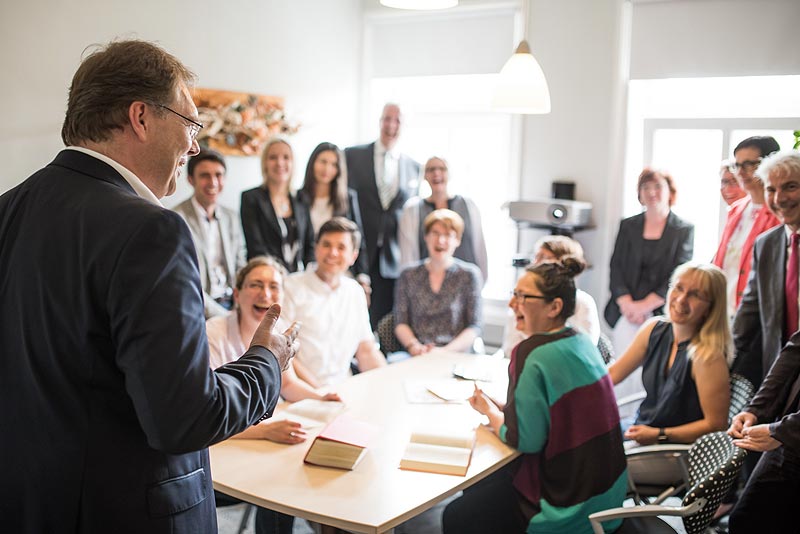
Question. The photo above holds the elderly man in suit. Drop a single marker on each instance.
(768, 313)
(216, 231)
(384, 180)
(109, 400)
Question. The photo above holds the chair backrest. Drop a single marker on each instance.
(742, 391)
(386, 337)
(714, 464)
(605, 348)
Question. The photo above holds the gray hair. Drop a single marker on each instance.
(783, 162)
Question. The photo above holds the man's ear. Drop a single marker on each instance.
(138, 116)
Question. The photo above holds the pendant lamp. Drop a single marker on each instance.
(420, 4)
(522, 87)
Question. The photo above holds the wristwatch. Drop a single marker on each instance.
(662, 436)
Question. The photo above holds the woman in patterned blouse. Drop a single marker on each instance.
(438, 300)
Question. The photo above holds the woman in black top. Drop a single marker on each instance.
(275, 223)
(326, 195)
(649, 247)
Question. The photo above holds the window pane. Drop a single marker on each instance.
(692, 158)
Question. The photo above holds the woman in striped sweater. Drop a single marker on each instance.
(561, 415)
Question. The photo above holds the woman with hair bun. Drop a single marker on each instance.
(561, 415)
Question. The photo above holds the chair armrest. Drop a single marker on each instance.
(647, 510)
(662, 448)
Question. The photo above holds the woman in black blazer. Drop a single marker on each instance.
(275, 223)
(649, 247)
(326, 195)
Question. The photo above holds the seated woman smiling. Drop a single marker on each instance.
(437, 301)
(683, 360)
(259, 284)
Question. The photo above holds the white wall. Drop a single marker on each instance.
(578, 45)
(308, 51)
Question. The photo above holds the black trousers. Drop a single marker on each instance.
(267, 521)
(382, 298)
(768, 501)
(491, 505)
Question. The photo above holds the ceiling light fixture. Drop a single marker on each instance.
(522, 87)
(420, 4)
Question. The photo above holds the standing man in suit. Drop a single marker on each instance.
(384, 180)
(109, 400)
(767, 315)
(216, 231)
(771, 425)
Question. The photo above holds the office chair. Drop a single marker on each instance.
(713, 467)
(656, 472)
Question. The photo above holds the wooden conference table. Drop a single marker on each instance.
(376, 496)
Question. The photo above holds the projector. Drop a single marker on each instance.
(550, 212)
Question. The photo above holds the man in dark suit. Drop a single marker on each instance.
(384, 180)
(108, 400)
(216, 231)
(771, 425)
(759, 326)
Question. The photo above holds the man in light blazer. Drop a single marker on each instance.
(759, 329)
(109, 402)
(384, 180)
(216, 231)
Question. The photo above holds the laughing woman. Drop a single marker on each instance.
(437, 302)
(683, 360)
(561, 415)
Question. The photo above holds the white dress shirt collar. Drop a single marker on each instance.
(134, 181)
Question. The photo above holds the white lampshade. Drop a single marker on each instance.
(522, 87)
(420, 4)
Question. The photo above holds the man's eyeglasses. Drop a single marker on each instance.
(517, 296)
(194, 126)
(747, 166)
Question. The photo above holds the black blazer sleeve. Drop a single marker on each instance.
(254, 238)
(774, 397)
(620, 262)
(305, 231)
(361, 265)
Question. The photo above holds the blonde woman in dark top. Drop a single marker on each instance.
(275, 223)
(683, 356)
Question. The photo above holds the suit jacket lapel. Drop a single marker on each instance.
(265, 203)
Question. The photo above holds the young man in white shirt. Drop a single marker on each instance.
(332, 310)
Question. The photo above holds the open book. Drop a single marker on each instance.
(341, 444)
(439, 451)
(311, 413)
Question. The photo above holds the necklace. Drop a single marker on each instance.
(281, 207)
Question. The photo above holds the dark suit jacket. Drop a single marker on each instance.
(674, 248)
(777, 399)
(263, 234)
(758, 323)
(380, 226)
(108, 399)
(354, 214)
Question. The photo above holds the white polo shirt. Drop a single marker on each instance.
(334, 323)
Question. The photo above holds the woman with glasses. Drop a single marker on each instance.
(649, 247)
(585, 318)
(275, 223)
(683, 357)
(747, 218)
(411, 235)
(437, 301)
(561, 415)
(326, 195)
(259, 285)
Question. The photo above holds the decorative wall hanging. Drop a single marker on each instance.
(239, 124)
